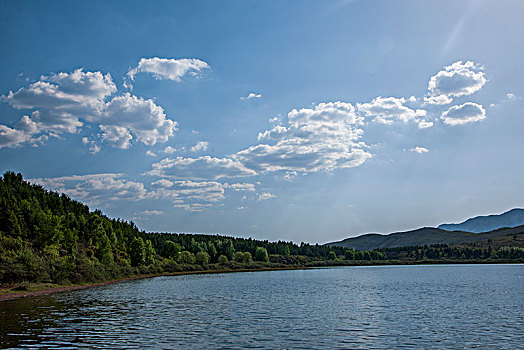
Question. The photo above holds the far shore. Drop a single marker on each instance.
(11, 293)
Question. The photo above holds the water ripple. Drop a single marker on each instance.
(392, 307)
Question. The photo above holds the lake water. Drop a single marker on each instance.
(459, 306)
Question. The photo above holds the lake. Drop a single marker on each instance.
(393, 307)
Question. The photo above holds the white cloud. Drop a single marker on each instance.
(10, 137)
(456, 80)
(265, 196)
(419, 150)
(163, 183)
(240, 186)
(241, 208)
(325, 137)
(201, 168)
(438, 100)
(169, 150)
(424, 124)
(96, 189)
(129, 115)
(251, 96)
(168, 68)
(119, 136)
(194, 207)
(386, 109)
(152, 212)
(58, 102)
(93, 147)
(469, 112)
(64, 102)
(200, 146)
(151, 154)
(191, 195)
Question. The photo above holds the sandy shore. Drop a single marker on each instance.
(12, 294)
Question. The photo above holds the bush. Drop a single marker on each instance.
(261, 254)
(222, 259)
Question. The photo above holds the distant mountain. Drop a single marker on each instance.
(420, 237)
(512, 218)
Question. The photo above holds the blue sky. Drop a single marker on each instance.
(296, 120)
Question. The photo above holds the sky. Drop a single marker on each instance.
(304, 121)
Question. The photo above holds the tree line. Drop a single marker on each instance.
(47, 236)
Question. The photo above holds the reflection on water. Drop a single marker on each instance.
(352, 307)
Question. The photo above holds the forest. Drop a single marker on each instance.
(48, 237)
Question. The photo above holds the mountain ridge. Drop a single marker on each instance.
(486, 223)
(420, 237)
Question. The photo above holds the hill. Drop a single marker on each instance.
(420, 237)
(512, 218)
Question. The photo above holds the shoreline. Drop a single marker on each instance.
(14, 294)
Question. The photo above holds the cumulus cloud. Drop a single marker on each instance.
(324, 137)
(419, 150)
(468, 112)
(265, 196)
(251, 96)
(456, 80)
(10, 137)
(201, 168)
(58, 102)
(64, 102)
(200, 146)
(169, 150)
(424, 124)
(169, 68)
(386, 109)
(127, 117)
(151, 154)
(95, 189)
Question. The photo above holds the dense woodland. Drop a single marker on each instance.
(48, 237)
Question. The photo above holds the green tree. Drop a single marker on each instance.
(247, 257)
(202, 258)
(222, 259)
(332, 255)
(286, 251)
(150, 253)
(104, 253)
(171, 250)
(261, 254)
(226, 248)
(186, 257)
(137, 252)
(238, 257)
